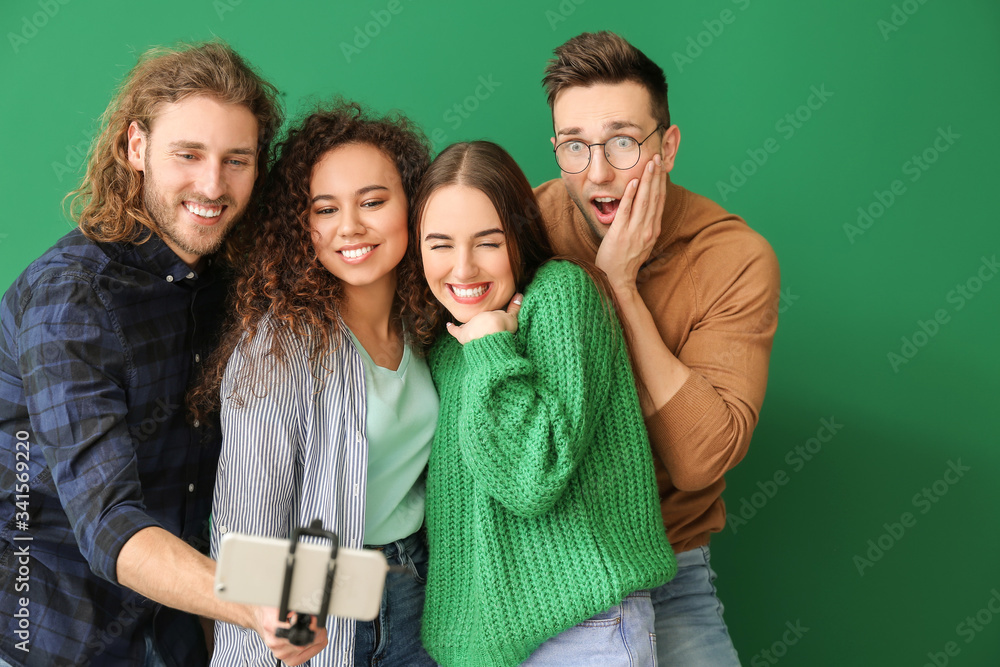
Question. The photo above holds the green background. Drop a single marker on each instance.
(849, 299)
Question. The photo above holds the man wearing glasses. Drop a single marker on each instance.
(696, 287)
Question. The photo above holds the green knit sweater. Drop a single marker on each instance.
(541, 500)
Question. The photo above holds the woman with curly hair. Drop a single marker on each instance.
(325, 410)
(543, 519)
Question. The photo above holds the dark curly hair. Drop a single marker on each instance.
(281, 275)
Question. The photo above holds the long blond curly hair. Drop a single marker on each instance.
(108, 206)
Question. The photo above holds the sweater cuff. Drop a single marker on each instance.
(672, 422)
(490, 350)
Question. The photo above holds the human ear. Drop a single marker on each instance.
(136, 146)
(669, 146)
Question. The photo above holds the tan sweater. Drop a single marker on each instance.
(711, 284)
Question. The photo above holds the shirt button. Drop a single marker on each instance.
(197, 423)
(191, 488)
(197, 358)
(190, 275)
(223, 529)
(170, 279)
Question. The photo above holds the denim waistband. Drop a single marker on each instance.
(408, 545)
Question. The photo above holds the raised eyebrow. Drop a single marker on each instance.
(609, 126)
(612, 126)
(568, 131)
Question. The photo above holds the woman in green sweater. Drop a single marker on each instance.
(543, 521)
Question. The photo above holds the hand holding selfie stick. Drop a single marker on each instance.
(300, 634)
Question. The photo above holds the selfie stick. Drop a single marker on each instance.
(300, 634)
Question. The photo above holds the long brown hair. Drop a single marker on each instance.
(282, 276)
(487, 167)
(108, 206)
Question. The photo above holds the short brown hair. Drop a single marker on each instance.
(604, 57)
(109, 205)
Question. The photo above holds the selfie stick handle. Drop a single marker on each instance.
(299, 634)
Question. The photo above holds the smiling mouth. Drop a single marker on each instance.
(357, 253)
(206, 211)
(469, 294)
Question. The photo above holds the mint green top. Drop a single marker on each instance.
(402, 410)
(542, 507)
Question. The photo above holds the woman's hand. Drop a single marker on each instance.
(485, 323)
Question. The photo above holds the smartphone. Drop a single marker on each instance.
(251, 570)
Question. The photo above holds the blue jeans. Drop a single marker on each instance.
(621, 636)
(689, 625)
(393, 638)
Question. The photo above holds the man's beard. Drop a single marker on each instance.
(197, 240)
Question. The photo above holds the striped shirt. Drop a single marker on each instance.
(98, 345)
(294, 449)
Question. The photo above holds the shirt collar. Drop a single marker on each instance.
(163, 262)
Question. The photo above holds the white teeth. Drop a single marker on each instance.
(358, 252)
(470, 293)
(604, 199)
(203, 212)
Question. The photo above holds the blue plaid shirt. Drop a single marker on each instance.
(99, 343)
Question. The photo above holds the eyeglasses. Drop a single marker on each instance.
(623, 151)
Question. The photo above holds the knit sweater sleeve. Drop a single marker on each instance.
(529, 406)
(705, 429)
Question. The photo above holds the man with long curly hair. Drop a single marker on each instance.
(106, 486)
